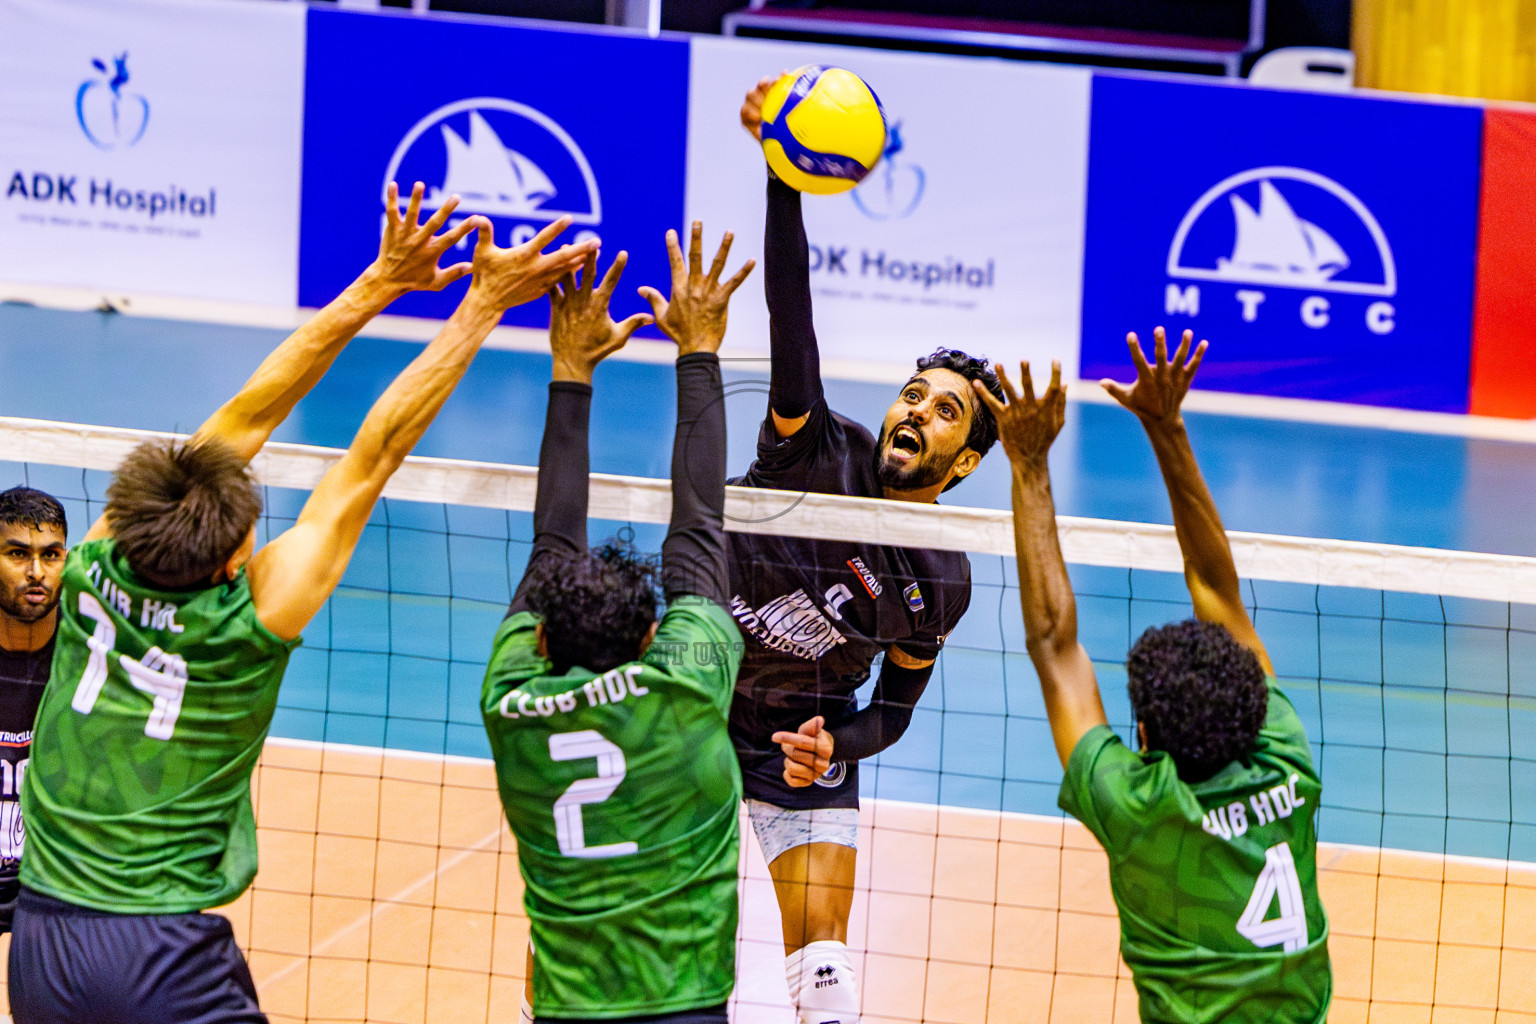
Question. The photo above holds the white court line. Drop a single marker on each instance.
(524, 339)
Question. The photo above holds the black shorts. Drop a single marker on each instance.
(709, 1015)
(762, 778)
(73, 965)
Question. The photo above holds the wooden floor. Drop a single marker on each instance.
(389, 892)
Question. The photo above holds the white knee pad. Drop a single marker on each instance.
(822, 984)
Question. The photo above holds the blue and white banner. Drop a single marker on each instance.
(525, 125)
(152, 146)
(969, 235)
(1324, 244)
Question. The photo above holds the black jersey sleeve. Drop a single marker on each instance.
(795, 384)
(560, 504)
(693, 555)
(951, 593)
(876, 726)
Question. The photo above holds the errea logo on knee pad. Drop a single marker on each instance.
(826, 975)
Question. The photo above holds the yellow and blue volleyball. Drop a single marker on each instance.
(823, 129)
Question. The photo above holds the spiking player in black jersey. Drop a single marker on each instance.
(816, 614)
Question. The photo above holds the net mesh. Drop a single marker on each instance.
(389, 888)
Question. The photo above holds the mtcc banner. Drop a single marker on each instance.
(1324, 244)
(524, 125)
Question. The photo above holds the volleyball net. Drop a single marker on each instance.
(389, 888)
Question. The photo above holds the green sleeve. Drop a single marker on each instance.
(1111, 788)
(1283, 734)
(698, 639)
(514, 658)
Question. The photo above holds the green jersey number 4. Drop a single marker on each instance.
(163, 676)
(569, 831)
(1279, 881)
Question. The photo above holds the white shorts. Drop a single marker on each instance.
(780, 829)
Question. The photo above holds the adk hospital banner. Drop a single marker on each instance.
(1349, 248)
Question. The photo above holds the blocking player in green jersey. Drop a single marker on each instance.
(1210, 825)
(609, 728)
(172, 642)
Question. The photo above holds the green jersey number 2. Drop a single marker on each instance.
(163, 676)
(569, 831)
(1278, 880)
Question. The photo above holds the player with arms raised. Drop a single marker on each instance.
(588, 700)
(817, 613)
(172, 643)
(1210, 827)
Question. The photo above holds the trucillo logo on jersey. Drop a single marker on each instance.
(870, 581)
(1284, 228)
(914, 596)
(503, 159)
(792, 624)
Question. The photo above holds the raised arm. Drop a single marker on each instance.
(1027, 427)
(1156, 397)
(795, 379)
(693, 555)
(292, 577)
(407, 261)
(581, 335)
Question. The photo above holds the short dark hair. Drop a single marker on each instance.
(25, 506)
(1200, 694)
(983, 433)
(597, 605)
(180, 509)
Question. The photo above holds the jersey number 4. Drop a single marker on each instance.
(163, 676)
(569, 831)
(1278, 879)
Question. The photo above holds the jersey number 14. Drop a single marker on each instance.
(163, 676)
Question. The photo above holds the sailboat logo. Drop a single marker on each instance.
(502, 158)
(1263, 240)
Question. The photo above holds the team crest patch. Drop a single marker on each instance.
(833, 776)
(871, 583)
(914, 596)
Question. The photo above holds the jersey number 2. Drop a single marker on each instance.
(569, 832)
(1277, 879)
(163, 676)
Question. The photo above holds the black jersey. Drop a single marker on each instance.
(22, 679)
(815, 613)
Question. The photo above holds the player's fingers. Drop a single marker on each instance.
(1182, 352)
(485, 241)
(790, 741)
(451, 238)
(718, 267)
(738, 277)
(1138, 357)
(611, 279)
(807, 758)
(392, 205)
(812, 726)
(1196, 359)
(696, 250)
(1160, 347)
(1027, 382)
(435, 222)
(447, 275)
(1119, 392)
(1007, 385)
(1055, 385)
(588, 271)
(658, 304)
(626, 328)
(550, 232)
(675, 258)
(986, 398)
(412, 211)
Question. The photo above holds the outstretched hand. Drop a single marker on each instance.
(807, 752)
(1158, 391)
(1027, 426)
(510, 277)
(408, 252)
(752, 106)
(694, 316)
(581, 330)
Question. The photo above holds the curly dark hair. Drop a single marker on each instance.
(597, 606)
(180, 509)
(24, 506)
(1200, 694)
(983, 433)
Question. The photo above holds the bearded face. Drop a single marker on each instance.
(925, 432)
(31, 569)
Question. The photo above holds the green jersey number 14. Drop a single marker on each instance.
(163, 676)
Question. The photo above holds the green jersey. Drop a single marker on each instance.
(623, 792)
(138, 795)
(1215, 881)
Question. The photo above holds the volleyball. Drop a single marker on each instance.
(823, 129)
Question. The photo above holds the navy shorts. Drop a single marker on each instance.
(72, 965)
(708, 1015)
